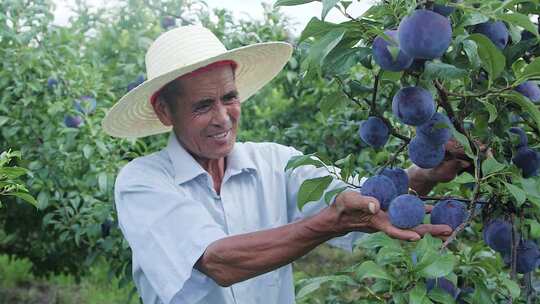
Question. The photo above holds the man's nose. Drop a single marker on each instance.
(221, 116)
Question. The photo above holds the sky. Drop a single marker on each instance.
(301, 14)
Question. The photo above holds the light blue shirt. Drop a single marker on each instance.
(169, 213)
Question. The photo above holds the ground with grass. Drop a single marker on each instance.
(19, 286)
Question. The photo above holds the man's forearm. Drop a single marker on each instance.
(240, 257)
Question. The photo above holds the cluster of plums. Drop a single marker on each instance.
(406, 211)
(498, 236)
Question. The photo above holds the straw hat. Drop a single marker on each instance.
(183, 50)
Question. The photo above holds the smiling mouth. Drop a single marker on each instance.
(220, 135)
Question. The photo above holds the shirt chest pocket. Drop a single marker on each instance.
(252, 207)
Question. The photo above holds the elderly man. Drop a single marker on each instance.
(211, 220)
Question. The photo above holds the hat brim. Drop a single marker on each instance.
(133, 116)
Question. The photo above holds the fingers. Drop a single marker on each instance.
(358, 202)
(382, 223)
(435, 230)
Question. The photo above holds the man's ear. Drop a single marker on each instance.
(162, 111)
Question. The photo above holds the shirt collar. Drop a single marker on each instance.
(187, 168)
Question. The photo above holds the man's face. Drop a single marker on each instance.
(207, 113)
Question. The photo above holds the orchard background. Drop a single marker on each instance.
(59, 241)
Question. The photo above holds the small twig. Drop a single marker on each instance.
(375, 91)
(515, 243)
(443, 101)
(393, 131)
(394, 157)
(461, 199)
(344, 12)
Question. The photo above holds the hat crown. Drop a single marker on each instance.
(181, 47)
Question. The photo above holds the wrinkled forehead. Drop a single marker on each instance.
(199, 74)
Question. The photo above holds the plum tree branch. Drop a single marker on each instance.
(461, 199)
(443, 101)
(474, 199)
(394, 156)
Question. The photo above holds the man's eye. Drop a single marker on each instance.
(231, 98)
(202, 108)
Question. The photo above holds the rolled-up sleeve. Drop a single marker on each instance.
(167, 233)
(295, 178)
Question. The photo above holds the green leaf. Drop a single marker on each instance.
(512, 287)
(440, 296)
(3, 120)
(24, 196)
(303, 160)
(526, 105)
(317, 28)
(492, 58)
(491, 165)
(464, 178)
(471, 49)
(358, 89)
(517, 192)
(291, 2)
(321, 48)
(492, 110)
(417, 294)
(369, 269)
(434, 265)
(102, 181)
(534, 228)
(529, 71)
(481, 293)
(315, 283)
(329, 196)
(376, 240)
(439, 70)
(343, 58)
(462, 139)
(327, 6)
(312, 190)
(519, 19)
(331, 102)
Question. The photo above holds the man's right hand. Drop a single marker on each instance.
(353, 211)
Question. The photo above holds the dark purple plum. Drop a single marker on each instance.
(523, 141)
(444, 284)
(85, 105)
(72, 121)
(106, 228)
(374, 132)
(449, 212)
(528, 160)
(52, 82)
(496, 31)
(525, 158)
(406, 211)
(438, 129)
(380, 187)
(413, 105)
(424, 34)
(443, 9)
(424, 154)
(167, 22)
(498, 236)
(528, 256)
(400, 179)
(383, 56)
(530, 90)
(132, 85)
